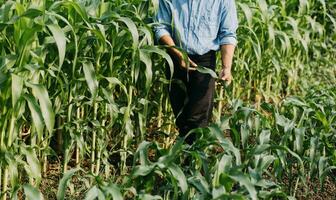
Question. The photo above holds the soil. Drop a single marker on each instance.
(49, 185)
(316, 191)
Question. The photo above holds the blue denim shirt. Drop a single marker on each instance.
(197, 26)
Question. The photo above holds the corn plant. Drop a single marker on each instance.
(84, 81)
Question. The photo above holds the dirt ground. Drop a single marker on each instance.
(316, 192)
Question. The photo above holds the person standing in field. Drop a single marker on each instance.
(200, 28)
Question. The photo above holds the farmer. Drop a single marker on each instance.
(199, 28)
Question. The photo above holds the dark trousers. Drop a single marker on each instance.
(191, 94)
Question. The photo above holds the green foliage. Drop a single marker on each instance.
(89, 72)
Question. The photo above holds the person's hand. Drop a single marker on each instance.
(192, 65)
(226, 76)
(183, 64)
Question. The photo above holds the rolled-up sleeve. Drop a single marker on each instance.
(162, 20)
(229, 24)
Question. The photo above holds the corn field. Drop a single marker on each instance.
(82, 88)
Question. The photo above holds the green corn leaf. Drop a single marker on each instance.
(32, 13)
(244, 134)
(148, 36)
(27, 37)
(3, 79)
(145, 58)
(295, 101)
(153, 49)
(266, 161)
(179, 175)
(32, 167)
(100, 35)
(40, 92)
(94, 193)
(225, 143)
(285, 148)
(71, 4)
(17, 85)
(264, 137)
(5, 10)
(75, 40)
(322, 166)
(35, 113)
(201, 185)
(299, 137)
(226, 181)
(325, 172)
(142, 170)
(247, 12)
(142, 152)
(14, 171)
(116, 81)
(229, 196)
(90, 78)
(8, 62)
(132, 28)
(218, 192)
(174, 151)
(149, 197)
(79, 9)
(114, 191)
(322, 118)
(224, 164)
(284, 122)
(32, 193)
(60, 39)
(263, 6)
(260, 149)
(312, 148)
(128, 122)
(64, 182)
(333, 20)
(205, 70)
(246, 182)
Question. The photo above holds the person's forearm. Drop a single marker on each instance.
(168, 40)
(227, 51)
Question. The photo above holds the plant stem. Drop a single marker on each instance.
(4, 184)
(94, 137)
(159, 119)
(11, 131)
(220, 103)
(77, 146)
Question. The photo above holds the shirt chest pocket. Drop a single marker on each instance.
(207, 26)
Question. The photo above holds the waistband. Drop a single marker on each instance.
(209, 55)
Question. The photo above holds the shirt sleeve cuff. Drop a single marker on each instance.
(228, 40)
(161, 32)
